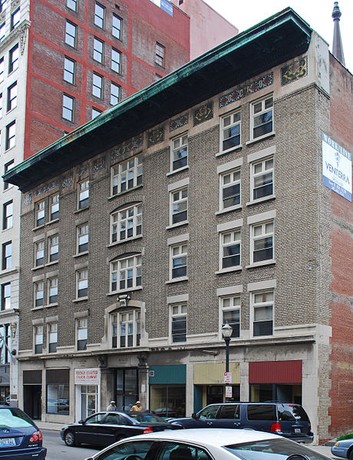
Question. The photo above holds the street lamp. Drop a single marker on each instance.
(227, 331)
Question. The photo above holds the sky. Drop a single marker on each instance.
(317, 13)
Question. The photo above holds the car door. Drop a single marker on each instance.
(228, 416)
(91, 431)
(206, 417)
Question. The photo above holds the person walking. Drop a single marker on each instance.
(137, 407)
(112, 406)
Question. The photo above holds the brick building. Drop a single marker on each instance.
(61, 64)
(221, 194)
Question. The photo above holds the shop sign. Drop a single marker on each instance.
(87, 376)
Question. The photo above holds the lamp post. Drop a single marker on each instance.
(227, 333)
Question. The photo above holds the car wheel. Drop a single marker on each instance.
(350, 454)
(69, 439)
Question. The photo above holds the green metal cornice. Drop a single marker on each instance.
(260, 48)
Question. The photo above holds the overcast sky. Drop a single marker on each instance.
(246, 13)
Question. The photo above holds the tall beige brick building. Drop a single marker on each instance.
(219, 194)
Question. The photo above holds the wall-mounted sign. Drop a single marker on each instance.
(336, 167)
(87, 376)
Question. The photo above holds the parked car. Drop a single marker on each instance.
(20, 438)
(343, 448)
(285, 419)
(200, 444)
(104, 428)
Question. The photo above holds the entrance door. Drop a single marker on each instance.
(32, 401)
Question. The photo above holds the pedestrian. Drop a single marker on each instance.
(112, 406)
(137, 407)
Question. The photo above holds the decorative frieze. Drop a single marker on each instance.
(298, 68)
(203, 113)
(126, 147)
(156, 136)
(247, 88)
(179, 122)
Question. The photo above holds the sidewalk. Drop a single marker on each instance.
(49, 425)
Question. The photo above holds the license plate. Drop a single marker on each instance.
(7, 442)
(297, 430)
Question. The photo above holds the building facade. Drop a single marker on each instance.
(221, 194)
(62, 64)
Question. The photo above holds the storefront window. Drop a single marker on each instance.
(89, 400)
(58, 401)
(126, 388)
(168, 400)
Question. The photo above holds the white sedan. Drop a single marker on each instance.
(207, 444)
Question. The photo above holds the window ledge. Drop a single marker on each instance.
(53, 221)
(230, 209)
(52, 263)
(125, 291)
(229, 270)
(261, 264)
(176, 171)
(116, 243)
(179, 224)
(177, 280)
(252, 141)
(81, 299)
(43, 307)
(233, 149)
(83, 253)
(261, 200)
(37, 227)
(37, 267)
(81, 210)
(111, 197)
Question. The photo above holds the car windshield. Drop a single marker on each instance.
(271, 449)
(14, 418)
(146, 417)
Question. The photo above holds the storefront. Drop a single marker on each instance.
(87, 382)
(167, 386)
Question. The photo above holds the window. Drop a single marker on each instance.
(231, 313)
(53, 248)
(263, 313)
(12, 96)
(2, 31)
(83, 194)
(7, 215)
(10, 135)
(230, 249)
(15, 18)
(72, 4)
(262, 242)
(13, 59)
(6, 296)
(97, 50)
(2, 69)
(54, 206)
(40, 213)
(160, 54)
(69, 70)
(39, 253)
(126, 329)
(52, 337)
(179, 257)
(117, 23)
(5, 353)
(2, 3)
(126, 223)
(127, 175)
(179, 151)
(38, 339)
(57, 391)
(116, 60)
(82, 238)
(97, 86)
(179, 206)
(230, 131)
(68, 107)
(126, 273)
(52, 284)
(115, 91)
(82, 283)
(230, 189)
(7, 255)
(262, 117)
(95, 113)
(178, 323)
(7, 168)
(71, 34)
(262, 179)
(99, 11)
(39, 293)
(82, 333)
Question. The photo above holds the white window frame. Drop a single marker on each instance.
(39, 253)
(82, 283)
(178, 312)
(264, 230)
(39, 295)
(260, 109)
(126, 328)
(82, 238)
(267, 168)
(81, 333)
(54, 206)
(126, 176)
(126, 273)
(229, 180)
(178, 260)
(38, 338)
(126, 224)
(267, 304)
(179, 153)
(230, 122)
(53, 248)
(178, 205)
(40, 213)
(83, 194)
(229, 239)
(229, 305)
(52, 290)
(52, 337)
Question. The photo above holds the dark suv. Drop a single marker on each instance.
(286, 419)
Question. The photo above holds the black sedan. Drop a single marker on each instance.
(104, 428)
